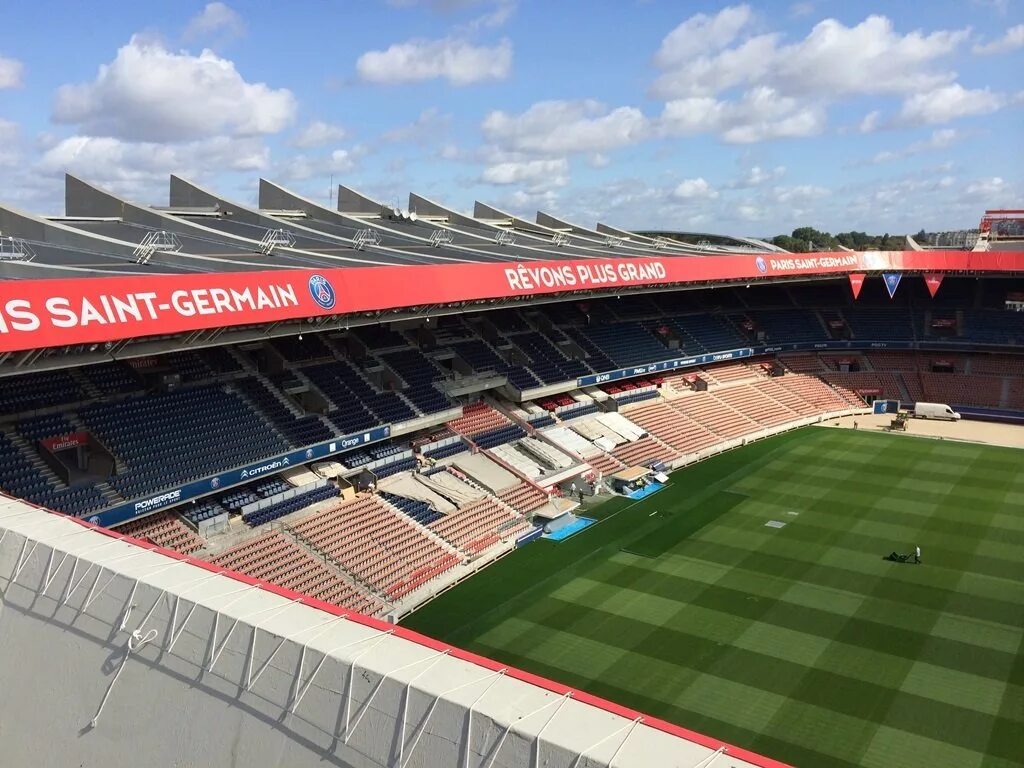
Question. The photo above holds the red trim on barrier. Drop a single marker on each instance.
(51, 313)
(429, 642)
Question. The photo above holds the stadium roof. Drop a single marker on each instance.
(306, 680)
(219, 272)
(200, 231)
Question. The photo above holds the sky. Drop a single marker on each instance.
(737, 119)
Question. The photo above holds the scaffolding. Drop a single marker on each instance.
(274, 238)
(15, 249)
(365, 237)
(441, 237)
(157, 240)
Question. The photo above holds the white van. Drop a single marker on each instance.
(935, 411)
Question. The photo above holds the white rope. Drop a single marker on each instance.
(135, 643)
(469, 719)
(305, 647)
(624, 740)
(128, 609)
(176, 633)
(214, 653)
(518, 721)
(423, 727)
(386, 676)
(329, 654)
(74, 571)
(249, 679)
(537, 738)
(596, 744)
(352, 675)
(23, 563)
(14, 574)
(708, 760)
(408, 695)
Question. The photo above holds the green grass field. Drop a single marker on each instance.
(800, 643)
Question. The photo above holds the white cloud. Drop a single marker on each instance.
(441, 6)
(870, 122)
(999, 6)
(215, 18)
(940, 139)
(11, 71)
(431, 125)
(301, 167)
(138, 169)
(535, 173)
(496, 14)
(702, 34)
(496, 17)
(1011, 40)
(750, 212)
(318, 133)
(149, 93)
(761, 114)
(560, 127)
(9, 155)
(801, 9)
(948, 103)
(8, 131)
(799, 194)
(757, 176)
(458, 61)
(833, 60)
(993, 189)
(598, 160)
(695, 189)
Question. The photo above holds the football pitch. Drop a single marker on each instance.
(799, 642)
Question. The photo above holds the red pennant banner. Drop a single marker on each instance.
(856, 283)
(933, 280)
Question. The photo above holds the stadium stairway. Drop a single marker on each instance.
(426, 530)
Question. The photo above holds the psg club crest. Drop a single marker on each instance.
(215, 483)
(309, 453)
(761, 264)
(322, 292)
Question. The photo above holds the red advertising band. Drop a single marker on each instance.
(49, 313)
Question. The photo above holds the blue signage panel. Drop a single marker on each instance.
(735, 354)
(662, 366)
(132, 509)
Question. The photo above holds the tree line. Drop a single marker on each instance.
(807, 239)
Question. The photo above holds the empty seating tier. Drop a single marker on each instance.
(672, 427)
(166, 530)
(168, 439)
(376, 543)
(524, 498)
(604, 463)
(278, 559)
(706, 409)
(478, 526)
(755, 405)
(485, 426)
(644, 451)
